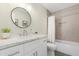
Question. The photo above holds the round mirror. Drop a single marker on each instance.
(21, 17)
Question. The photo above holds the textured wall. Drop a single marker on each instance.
(67, 24)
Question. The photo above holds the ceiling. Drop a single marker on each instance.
(53, 7)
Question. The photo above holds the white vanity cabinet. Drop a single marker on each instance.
(35, 47)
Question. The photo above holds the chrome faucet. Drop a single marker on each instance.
(24, 32)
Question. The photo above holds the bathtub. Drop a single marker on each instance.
(67, 47)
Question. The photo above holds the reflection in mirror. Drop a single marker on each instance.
(20, 17)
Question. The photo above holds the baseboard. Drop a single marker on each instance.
(67, 47)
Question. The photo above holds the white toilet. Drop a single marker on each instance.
(51, 47)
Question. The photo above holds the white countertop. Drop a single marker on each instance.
(17, 40)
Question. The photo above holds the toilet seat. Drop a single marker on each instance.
(51, 46)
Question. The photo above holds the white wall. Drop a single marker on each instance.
(38, 16)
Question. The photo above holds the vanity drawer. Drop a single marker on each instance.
(12, 51)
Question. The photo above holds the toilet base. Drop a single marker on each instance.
(50, 53)
(51, 49)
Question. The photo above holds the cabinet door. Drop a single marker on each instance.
(42, 49)
(13, 51)
(29, 48)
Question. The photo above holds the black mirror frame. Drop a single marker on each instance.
(28, 14)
